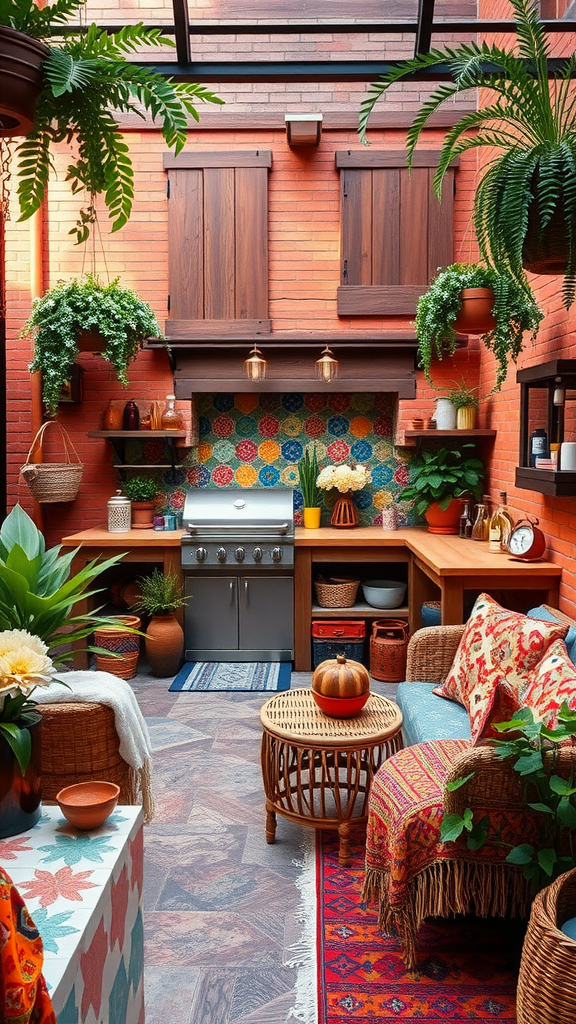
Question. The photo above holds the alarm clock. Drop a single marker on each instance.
(526, 540)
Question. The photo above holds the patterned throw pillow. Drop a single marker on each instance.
(550, 684)
(495, 701)
(497, 645)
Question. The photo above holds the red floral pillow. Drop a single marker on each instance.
(496, 644)
(492, 702)
(551, 684)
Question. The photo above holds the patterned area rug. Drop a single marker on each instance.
(239, 675)
(467, 969)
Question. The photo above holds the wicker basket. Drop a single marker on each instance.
(53, 481)
(336, 592)
(547, 980)
(80, 744)
(117, 641)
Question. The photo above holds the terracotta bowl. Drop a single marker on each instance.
(86, 805)
(341, 707)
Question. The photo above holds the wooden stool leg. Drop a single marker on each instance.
(270, 823)
(344, 833)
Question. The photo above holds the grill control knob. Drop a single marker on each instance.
(221, 554)
(239, 554)
(277, 554)
(257, 554)
(201, 554)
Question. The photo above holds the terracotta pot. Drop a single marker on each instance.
(444, 520)
(90, 341)
(546, 252)
(466, 417)
(21, 60)
(142, 515)
(475, 316)
(165, 645)
(20, 796)
(311, 517)
(344, 512)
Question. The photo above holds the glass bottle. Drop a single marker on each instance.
(479, 527)
(171, 420)
(501, 523)
(131, 416)
(466, 522)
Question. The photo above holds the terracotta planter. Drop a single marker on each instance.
(475, 316)
(546, 252)
(91, 341)
(20, 796)
(21, 60)
(165, 645)
(311, 517)
(344, 513)
(444, 520)
(466, 417)
(142, 515)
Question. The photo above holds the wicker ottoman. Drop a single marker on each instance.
(80, 743)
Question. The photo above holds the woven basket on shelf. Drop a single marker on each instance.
(547, 980)
(336, 592)
(117, 641)
(53, 481)
(80, 744)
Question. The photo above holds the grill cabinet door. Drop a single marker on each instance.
(266, 613)
(211, 613)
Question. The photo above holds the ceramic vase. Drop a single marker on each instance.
(20, 795)
(113, 416)
(445, 414)
(344, 513)
(466, 417)
(311, 517)
(165, 645)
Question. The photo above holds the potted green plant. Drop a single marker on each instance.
(84, 75)
(308, 473)
(160, 596)
(524, 212)
(512, 311)
(74, 310)
(465, 401)
(141, 490)
(438, 479)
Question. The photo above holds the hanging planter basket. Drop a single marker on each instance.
(91, 341)
(21, 60)
(547, 251)
(53, 481)
(475, 316)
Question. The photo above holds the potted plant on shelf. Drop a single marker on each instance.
(344, 479)
(524, 211)
(465, 401)
(160, 596)
(85, 314)
(308, 473)
(511, 311)
(80, 75)
(438, 480)
(141, 490)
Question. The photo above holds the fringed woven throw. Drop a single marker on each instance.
(410, 873)
(105, 688)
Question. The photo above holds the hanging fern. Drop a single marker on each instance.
(530, 121)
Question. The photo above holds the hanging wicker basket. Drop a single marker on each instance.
(53, 481)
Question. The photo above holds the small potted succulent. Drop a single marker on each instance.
(86, 315)
(141, 490)
(511, 311)
(438, 480)
(308, 472)
(160, 596)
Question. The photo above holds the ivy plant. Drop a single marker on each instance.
(549, 796)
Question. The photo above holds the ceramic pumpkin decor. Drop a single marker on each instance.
(340, 687)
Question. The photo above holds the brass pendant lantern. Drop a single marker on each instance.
(255, 365)
(327, 366)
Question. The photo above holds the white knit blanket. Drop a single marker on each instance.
(105, 688)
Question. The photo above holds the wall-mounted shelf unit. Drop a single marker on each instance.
(412, 437)
(543, 404)
(118, 438)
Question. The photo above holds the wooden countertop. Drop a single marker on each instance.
(99, 536)
(445, 555)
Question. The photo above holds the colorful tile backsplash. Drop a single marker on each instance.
(250, 440)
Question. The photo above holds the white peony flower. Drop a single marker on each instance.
(24, 662)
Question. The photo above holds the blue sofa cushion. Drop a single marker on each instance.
(429, 717)
(569, 639)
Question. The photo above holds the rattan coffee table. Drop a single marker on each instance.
(318, 770)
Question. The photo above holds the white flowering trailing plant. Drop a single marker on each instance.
(343, 478)
(37, 598)
(118, 314)
(515, 311)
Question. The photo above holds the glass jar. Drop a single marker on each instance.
(171, 420)
(119, 513)
(113, 416)
(480, 525)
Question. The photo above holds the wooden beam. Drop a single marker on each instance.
(424, 27)
(213, 158)
(182, 31)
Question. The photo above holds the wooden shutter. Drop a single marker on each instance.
(218, 244)
(394, 232)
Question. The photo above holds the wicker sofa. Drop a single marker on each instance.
(410, 874)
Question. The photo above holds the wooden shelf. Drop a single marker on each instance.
(142, 465)
(138, 435)
(547, 481)
(359, 611)
(431, 434)
(117, 440)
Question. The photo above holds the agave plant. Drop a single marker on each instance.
(530, 121)
(87, 80)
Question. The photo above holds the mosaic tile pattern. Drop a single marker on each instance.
(249, 440)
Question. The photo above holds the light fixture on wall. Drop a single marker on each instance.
(327, 366)
(303, 129)
(255, 365)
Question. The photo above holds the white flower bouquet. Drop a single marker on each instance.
(343, 478)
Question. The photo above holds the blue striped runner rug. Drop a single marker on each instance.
(229, 676)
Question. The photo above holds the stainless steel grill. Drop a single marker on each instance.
(238, 564)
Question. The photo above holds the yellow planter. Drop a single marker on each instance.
(466, 417)
(312, 518)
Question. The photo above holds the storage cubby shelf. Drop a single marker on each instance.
(359, 611)
(547, 481)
